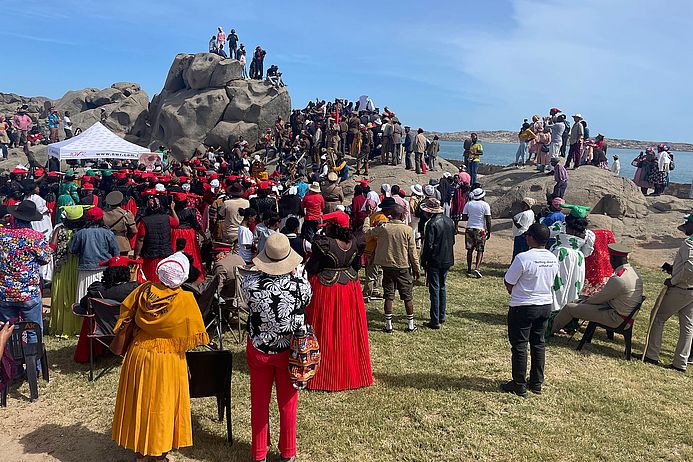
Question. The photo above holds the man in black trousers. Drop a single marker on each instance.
(528, 281)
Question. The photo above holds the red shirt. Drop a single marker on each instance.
(313, 203)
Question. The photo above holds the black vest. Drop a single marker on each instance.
(157, 239)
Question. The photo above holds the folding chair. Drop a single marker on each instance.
(625, 329)
(103, 315)
(239, 305)
(208, 301)
(29, 355)
(210, 375)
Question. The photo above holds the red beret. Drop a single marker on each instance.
(120, 261)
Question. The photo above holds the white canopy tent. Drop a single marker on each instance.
(96, 142)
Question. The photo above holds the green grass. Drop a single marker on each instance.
(435, 398)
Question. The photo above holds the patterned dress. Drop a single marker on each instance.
(571, 269)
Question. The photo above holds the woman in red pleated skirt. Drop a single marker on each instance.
(189, 225)
(337, 311)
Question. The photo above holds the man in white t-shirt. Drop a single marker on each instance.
(521, 223)
(477, 214)
(528, 281)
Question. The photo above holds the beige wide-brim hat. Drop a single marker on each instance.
(315, 187)
(277, 257)
(332, 177)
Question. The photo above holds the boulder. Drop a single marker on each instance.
(669, 204)
(257, 102)
(103, 97)
(199, 72)
(226, 71)
(128, 88)
(189, 114)
(597, 188)
(225, 134)
(174, 79)
(75, 101)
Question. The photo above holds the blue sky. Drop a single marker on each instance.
(442, 65)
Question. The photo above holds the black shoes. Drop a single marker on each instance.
(534, 388)
(432, 326)
(512, 387)
(672, 367)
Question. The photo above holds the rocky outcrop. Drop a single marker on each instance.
(604, 192)
(206, 100)
(9, 102)
(125, 106)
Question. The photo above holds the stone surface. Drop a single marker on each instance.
(199, 72)
(225, 134)
(600, 189)
(103, 97)
(188, 114)
(669, 204)
(257, 102)
(205, 100)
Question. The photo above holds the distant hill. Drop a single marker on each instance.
(507, 136)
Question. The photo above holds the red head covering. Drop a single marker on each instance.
(94, 214)
(120, 261)
(87, 186)
(338, 218)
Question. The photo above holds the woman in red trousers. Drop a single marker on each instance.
(277, 299)
(337, 312)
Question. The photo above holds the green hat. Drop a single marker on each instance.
(73, 212)
(686, 219)
(70, 173)
(90, 172)
(577, 211)
(107, 172)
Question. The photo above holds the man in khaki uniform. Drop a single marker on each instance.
(678, 300)
(229, 212)
(395, 252)
(120, 221)
(611, 305)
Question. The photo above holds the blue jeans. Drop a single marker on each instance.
(438, 294)
(473, 167)
(522, 153)
(31, 311)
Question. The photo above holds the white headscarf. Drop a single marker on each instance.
(173, 271)
(386, 189)
(372, 201)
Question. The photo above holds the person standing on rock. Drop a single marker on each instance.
(67, 125)
(397, 133)
(432, 153)
(221, 38)
(243, 61)
(22, 122)
(53, 125)
(477, 214)
(213, 44)
(259, 59)
(408, 147)
(576, 140)
(233, 44)
(420, 143)
(474, 154)
(557, 127)
(560, 175)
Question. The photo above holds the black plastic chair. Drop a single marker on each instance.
(207, 300)
(210, 375)
(625, 329)
(103, 315)
(29, 355)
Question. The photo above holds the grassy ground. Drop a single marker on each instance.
(435, 397)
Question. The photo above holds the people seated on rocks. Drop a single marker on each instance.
(615, 302)
(274, 76)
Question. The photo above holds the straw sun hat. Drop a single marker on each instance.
(277, 257)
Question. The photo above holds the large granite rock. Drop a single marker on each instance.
(604, 192)
(206, 100)
(125, 106)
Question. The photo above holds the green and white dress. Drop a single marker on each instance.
(571, 269)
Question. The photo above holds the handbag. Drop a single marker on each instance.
(304, 356)
(120, 343)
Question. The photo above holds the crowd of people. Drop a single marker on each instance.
(151, 238)
(237, 51)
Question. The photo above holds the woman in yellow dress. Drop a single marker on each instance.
(152, 413)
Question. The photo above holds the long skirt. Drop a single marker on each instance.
(640, 178)
(459, 199)
(192, 247)
(63, 295)
(84, 279)
(598, 266)
(338, 315)
(149, 270)
(152, 412)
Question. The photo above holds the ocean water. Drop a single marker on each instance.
(504, 154)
